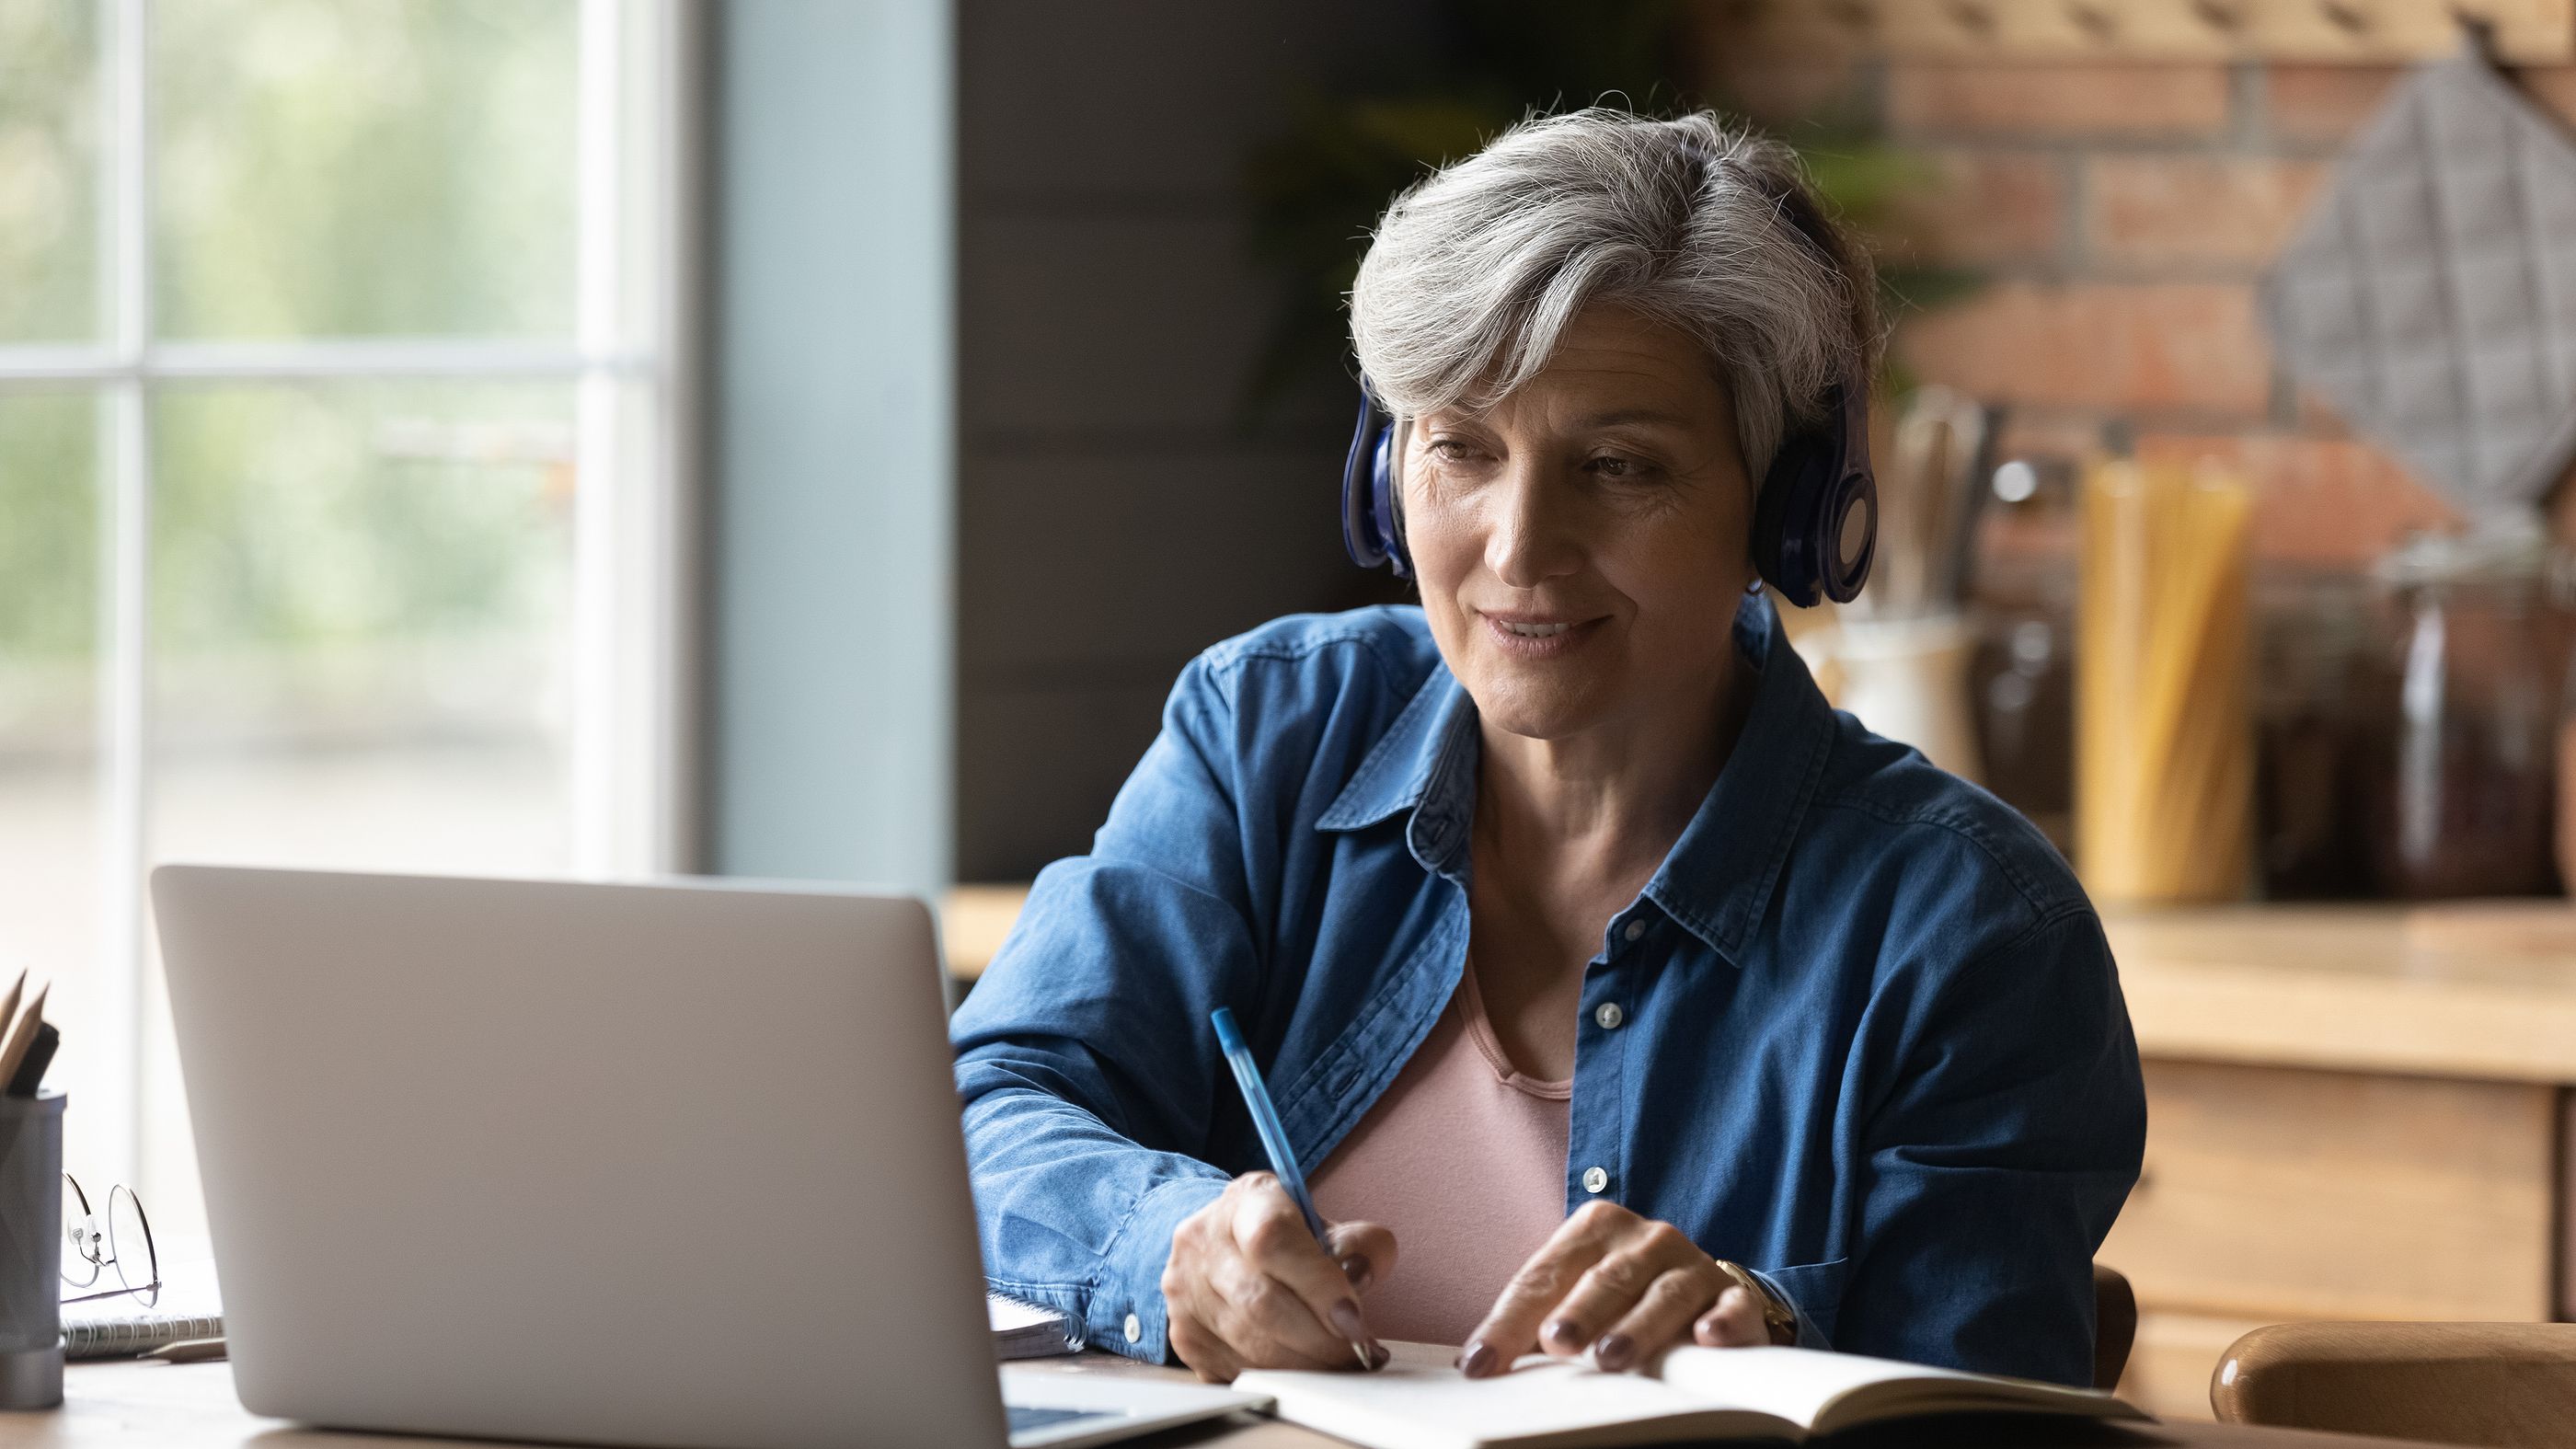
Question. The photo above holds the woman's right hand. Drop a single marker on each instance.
(1247, 1286)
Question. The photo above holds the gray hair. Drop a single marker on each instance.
(1477, 269)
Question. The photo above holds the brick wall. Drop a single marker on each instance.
(2120, 215)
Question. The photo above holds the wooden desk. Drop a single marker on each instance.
(134, 1405)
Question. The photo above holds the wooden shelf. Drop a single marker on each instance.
(2477, 990)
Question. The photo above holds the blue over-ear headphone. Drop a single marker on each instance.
(1815, 521)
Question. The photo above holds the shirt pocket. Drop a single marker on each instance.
(1816, 1289)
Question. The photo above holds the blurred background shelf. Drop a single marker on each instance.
(2353, 1112)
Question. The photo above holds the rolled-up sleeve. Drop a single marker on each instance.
(2008, 1131)
(1086, 1085)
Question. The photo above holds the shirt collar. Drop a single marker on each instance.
(1719, 876)
(1427, 759)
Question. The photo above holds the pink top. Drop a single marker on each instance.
(1464, 1160)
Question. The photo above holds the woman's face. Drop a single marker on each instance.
(1582, 545)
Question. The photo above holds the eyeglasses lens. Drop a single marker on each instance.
(129, 1238)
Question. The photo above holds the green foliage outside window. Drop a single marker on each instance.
(320, 169)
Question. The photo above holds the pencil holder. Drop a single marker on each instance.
(31, 1251)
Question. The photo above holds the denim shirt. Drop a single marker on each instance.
(1869, 1040)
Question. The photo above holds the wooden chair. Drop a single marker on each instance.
(2511, 1385)
(2115, 1326)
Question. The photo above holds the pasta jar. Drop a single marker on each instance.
(2465, 800)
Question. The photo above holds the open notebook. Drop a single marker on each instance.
(1696, 1393)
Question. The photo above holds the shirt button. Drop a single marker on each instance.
(1635, 929)
(1594, 1179)
(1134, 1328)
(1609, 1015)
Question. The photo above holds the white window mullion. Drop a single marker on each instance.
(110, 1084)
(597, 483)
(665, 593)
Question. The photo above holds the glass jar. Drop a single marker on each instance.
(2466, 803)
(2315, 698)
(2022, 683)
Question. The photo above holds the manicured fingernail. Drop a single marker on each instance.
(1356, 1268)
(1477, 1359)
(1613, 1351)
(1378, 1355)
(1346, 1321)
(1564, 1332)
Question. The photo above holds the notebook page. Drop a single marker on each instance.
(1436, 1407)
(1802, 1385)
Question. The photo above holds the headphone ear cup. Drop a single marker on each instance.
(1372, 515)
(1362, 537)
(1389, 505)
(1784, 519)
(1815, 523)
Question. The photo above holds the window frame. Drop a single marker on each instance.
(631, 365)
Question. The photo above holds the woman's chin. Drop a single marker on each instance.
(1550, 709)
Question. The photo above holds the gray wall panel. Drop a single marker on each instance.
(1093, 540)
(1048, 762)
(832, 421)
(1118, 512)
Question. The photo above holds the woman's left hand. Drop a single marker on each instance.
(1621, 1285)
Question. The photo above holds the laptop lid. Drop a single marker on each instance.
(655, 1165)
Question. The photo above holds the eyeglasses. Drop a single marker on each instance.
(125, 1244)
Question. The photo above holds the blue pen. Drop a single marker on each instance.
(1274, 1137)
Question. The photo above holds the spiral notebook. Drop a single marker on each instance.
(1025, 1330)
(189, 1309)
(119, 1327)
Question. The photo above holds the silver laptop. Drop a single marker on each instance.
(651, 1165)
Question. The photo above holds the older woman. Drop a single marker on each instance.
(1615, 991)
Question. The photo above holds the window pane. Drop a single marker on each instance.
(49, 188)
(361, 626)
(396, 168)
(361, 605)
(50, 803)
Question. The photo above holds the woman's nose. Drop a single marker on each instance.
(1533, 538)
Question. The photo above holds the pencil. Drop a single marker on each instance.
(9, 1005)
(22, 1034)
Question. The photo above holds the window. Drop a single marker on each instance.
(338, 512)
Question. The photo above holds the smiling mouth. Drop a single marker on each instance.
(1539, 638)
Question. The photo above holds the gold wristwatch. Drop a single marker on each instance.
(1777, 1319)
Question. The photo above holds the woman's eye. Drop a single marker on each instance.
(1612, 466)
